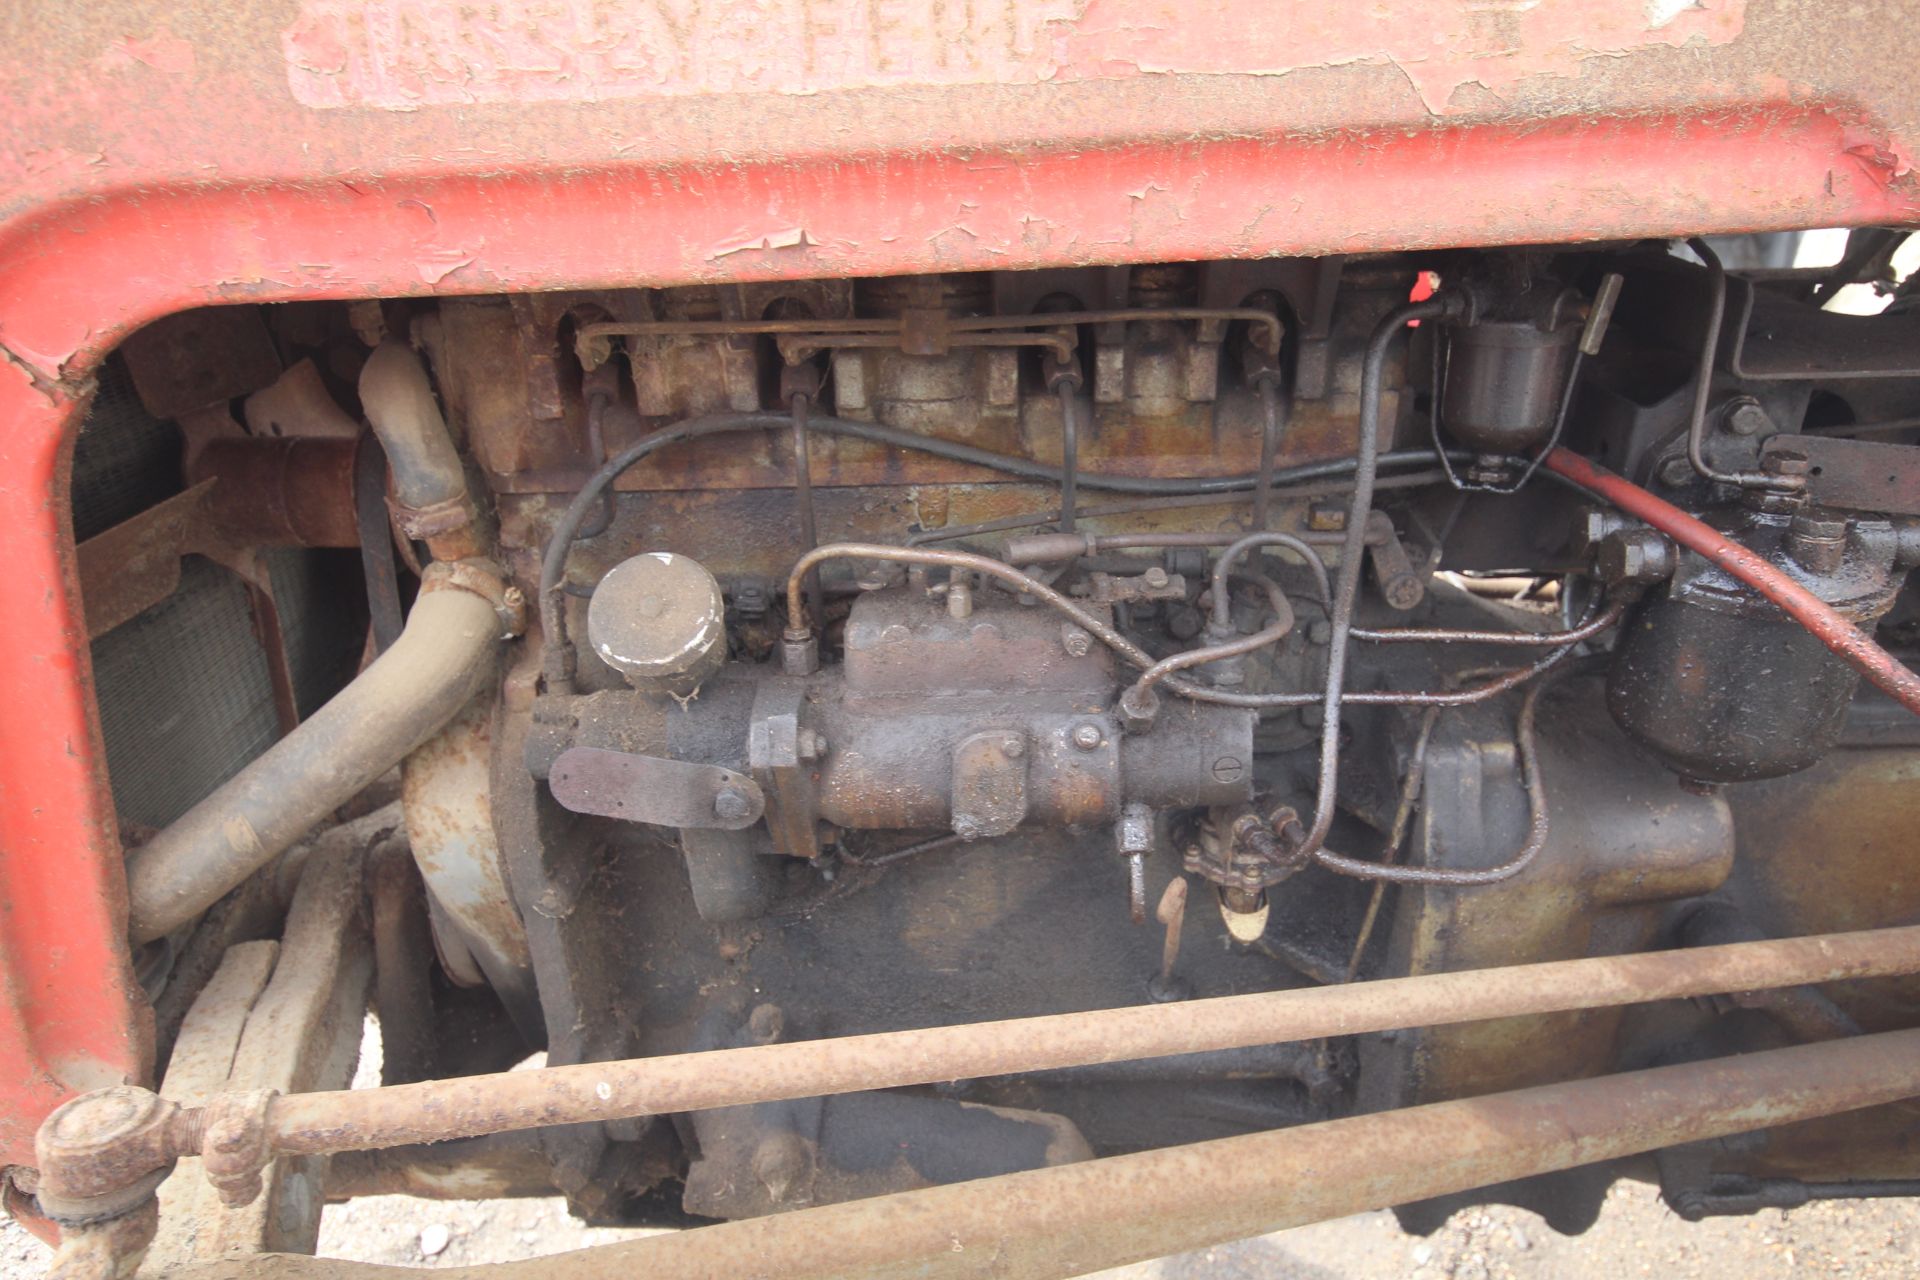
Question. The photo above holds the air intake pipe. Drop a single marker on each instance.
(442, 658)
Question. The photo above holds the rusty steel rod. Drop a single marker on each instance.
(1074, 1218)
(317, 1123)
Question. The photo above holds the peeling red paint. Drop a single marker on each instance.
(163, 51)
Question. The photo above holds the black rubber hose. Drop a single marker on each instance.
(553, 565)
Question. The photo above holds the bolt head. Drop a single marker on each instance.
(1229, 769)
(1786, 462)
(1075, 641)
(1403, 591)
(731, 805)
(1635, 555)
(1745, 417)
(1087, 737)
(1594, 526)
(1319, 631)
(1675, 471)
(1155, 577)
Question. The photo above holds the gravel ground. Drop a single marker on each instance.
(1635, 1236)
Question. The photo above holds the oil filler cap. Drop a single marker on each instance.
(659, 620)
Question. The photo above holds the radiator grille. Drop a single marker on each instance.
(184, 693)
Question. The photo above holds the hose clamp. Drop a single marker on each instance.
(484, 579)
(424, 523)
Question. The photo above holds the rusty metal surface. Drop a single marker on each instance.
(1193, 439)
(136, 564)
(1065, 1221)
(902, 644)
(471, 1106)
(448, 800)
(290, 492)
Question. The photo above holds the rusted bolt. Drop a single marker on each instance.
(1229, 769)
(1087, 737)
(809, 745)
(1155, 577)
(959, 600)
(1014, 747)
(1326, 517)
(1075, 640)
(1743, 416)
(1319, 631)
(730, 805)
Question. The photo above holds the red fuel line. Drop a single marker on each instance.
(1811, 612)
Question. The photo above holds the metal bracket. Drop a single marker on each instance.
(1855, 475)
(666, 793)
(773, 753)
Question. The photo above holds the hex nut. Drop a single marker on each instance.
(1675, 471)
(1088, 737)
(730, 805)
(1635, 555)
(1138, 709)
(1075, 640)
(799, 652)
(1595, 526)
(1133, 834)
